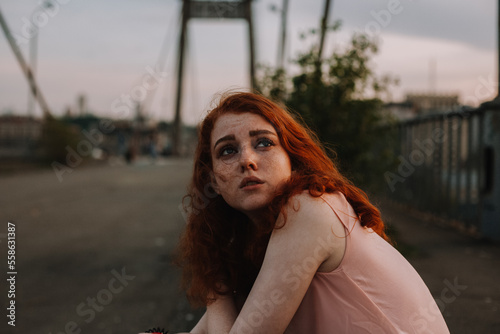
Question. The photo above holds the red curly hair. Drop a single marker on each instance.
(220, 246)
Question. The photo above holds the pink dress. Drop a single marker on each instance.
(374, 290)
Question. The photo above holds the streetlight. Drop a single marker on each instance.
(32, 56)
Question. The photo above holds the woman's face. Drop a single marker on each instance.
(249, 163)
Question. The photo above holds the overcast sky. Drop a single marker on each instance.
(106, 49)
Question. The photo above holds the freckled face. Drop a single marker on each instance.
(249, 163)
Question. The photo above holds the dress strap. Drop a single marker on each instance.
(342, 210)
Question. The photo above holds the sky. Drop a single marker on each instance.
(113, 50)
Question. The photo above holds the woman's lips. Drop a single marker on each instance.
(252, 186)
(250, 182)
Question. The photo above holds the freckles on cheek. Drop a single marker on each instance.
(221, 178)
(277, 164)
(221, 173)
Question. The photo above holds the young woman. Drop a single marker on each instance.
(278, 241)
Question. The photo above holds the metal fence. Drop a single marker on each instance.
(449, 165)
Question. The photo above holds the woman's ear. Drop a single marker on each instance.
(213, 183)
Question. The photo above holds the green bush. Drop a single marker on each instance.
(56, 136)
(340, 98)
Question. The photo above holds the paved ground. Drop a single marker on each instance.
(462, 273)
(74, 237)
(94, 252)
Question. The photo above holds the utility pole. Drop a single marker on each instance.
(281, 51)
(498, 51)
(177, 129)
(248, 17)
(324, 22)
(25, 68)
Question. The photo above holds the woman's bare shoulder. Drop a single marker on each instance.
(314, 210)
(310, 221)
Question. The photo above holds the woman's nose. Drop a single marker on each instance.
(248, 159)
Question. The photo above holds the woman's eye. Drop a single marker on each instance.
(228, 150)
(264, 142)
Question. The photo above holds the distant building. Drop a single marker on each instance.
(401, 110)
(19, 136)
(432, 103)
(421, 104)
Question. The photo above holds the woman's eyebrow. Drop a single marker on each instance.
(254, 133)
(225, 138)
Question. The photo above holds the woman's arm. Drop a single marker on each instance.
(294, 254)
(221, 314)
(221, 318)
(313, 237)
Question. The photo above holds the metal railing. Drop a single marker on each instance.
(447, 167)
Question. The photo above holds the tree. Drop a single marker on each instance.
(56, 137)
(340, 98)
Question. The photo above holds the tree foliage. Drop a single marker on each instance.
(340, 98)
(56, 137)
